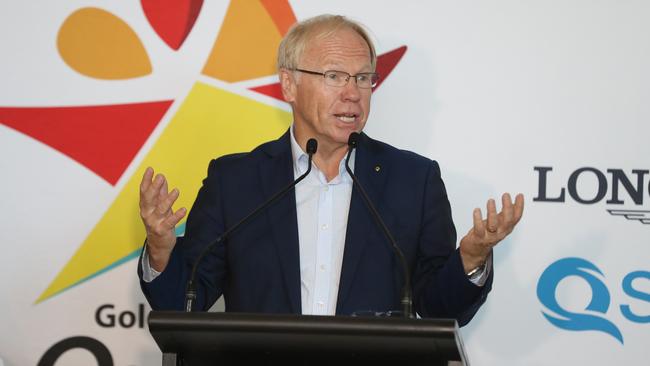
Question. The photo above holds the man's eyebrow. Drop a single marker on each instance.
(339, 67)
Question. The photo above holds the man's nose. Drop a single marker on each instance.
(351, 91)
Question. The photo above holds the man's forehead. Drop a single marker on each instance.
(336, 47)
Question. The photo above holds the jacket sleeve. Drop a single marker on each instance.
(204, 225)
(440, 287)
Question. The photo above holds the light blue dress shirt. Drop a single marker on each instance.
(322, 208)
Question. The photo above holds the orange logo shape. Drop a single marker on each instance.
(240, 55)
(98, 44)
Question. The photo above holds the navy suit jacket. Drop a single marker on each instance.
(258, 270)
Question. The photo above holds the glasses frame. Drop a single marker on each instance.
(347, 79)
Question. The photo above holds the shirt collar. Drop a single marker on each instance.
(300, 161)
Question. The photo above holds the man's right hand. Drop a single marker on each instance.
(158, 218)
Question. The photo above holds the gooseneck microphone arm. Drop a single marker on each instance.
(190, 293)
(407, 297)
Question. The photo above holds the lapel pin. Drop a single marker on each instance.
(377, 168)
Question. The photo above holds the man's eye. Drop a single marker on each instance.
(332, 76)
(363, 77)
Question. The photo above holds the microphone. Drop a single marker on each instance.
(407, 297)
(190, 292)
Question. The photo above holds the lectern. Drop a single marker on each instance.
(203, 338)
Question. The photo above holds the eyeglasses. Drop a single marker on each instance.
(365, 80)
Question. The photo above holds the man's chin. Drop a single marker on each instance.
(347, 129)
(343, 135)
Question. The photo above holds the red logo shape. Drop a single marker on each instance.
(172, 19)
(104, 139)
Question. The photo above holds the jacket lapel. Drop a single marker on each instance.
(275, 174)
(371, 173)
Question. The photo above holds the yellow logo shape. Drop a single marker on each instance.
(209, 123)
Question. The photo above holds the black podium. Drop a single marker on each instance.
(201, 339)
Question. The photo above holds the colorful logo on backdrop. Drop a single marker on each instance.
(594, 316)
(589, 185)
(205, 123)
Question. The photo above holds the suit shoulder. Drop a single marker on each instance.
(405, 158)
(243, 160)
(227, 162)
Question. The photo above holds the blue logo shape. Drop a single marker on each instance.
(600, 298)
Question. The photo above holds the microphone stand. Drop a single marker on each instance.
(407, 297)
(190, 292)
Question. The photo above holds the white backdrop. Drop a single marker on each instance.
(490, 89)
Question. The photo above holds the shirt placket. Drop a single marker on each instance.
(323, 250)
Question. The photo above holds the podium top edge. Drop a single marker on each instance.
(176, 320)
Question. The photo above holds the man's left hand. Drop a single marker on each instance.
(485, 234)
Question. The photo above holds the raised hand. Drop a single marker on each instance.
(158, 217)
(485, 234)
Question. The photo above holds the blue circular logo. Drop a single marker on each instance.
(599, 303)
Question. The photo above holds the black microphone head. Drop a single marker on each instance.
(312, 146)
(353, 140)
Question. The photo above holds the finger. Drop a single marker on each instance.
(146, 179)
(519, 207)
(152, 192)
(162, 193)
(492, 219)
(148, 197)
(479, 228)
(158, 190)
(163, 196)
(157, 182)
(144, 187)
(166, 204)
(507, 211)
(174, 219)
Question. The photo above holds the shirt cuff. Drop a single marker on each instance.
(480, 277)
(148, 274)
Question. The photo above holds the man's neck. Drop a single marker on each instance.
(327, 157)
(328, 161)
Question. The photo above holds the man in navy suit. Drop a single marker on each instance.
(318, 250)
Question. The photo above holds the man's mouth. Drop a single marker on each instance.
(347, 117)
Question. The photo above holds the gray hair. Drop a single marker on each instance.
(293, 44)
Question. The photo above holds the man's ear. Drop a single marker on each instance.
(288, 84)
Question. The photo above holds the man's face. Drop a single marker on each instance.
(330, 113)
